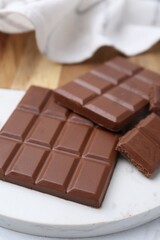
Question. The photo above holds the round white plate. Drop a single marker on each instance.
(131, 200)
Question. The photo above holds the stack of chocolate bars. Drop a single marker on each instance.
(65, 142)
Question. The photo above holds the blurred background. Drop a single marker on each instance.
(48, 43)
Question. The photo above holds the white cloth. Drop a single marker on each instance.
(70, 31)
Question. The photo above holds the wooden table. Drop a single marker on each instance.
(22, 65)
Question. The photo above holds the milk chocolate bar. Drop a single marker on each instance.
(141, 145)
(45, 147)
(111, 95)
(155, 99)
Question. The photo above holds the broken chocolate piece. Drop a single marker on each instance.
(141, 145)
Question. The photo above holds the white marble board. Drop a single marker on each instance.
(131, 200)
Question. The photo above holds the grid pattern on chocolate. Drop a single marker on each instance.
(111, 94)
(45, 147)
(145, 156)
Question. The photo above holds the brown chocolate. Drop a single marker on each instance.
(141, 145)
(45, 147)
(155, 99)
(111, 95)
